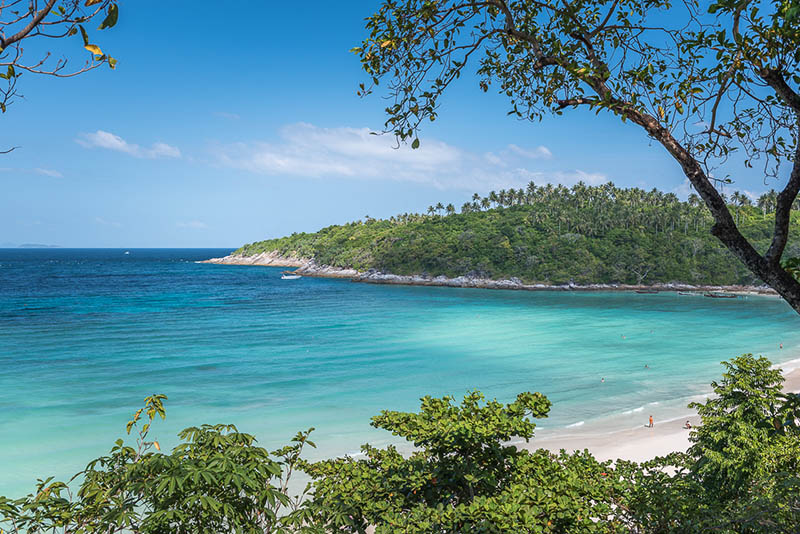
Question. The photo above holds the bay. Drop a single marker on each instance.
(86, 334)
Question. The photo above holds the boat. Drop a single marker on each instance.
(647, 291)
(290, 275)
(688, 293)
(127, 252)
(720, 296)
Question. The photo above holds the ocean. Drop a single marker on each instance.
(86, 334)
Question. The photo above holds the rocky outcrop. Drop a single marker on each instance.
(304, 266)
(309, 267)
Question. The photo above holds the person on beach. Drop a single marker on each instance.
(688, 425)
(651, 422)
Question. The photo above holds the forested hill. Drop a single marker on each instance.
(548, 234)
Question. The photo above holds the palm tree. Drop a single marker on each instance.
(485, 203)
(737, 199)
(439, 208)
(450, 209)
(530, 191)
(431, 210)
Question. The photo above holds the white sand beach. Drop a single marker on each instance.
(638, 444)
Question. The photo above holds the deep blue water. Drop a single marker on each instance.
(86, 334)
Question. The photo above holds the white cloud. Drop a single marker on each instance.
(48, 172)
(193, 224)
(110, 141)
(103, 222)
(684, 190)
(311, 151)
(540, 152)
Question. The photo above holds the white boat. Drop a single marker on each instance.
(290, 276)
(127, 252)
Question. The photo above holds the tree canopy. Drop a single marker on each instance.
(703, 80)
(464, 475)
(546, 234)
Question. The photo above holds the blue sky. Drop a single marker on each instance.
(221, 127)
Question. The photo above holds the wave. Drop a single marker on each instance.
(788, 366)
(634, 410)
(573, 425)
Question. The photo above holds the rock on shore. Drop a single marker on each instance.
(304, 266)
(309, 267)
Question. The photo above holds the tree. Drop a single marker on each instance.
(25, 21)
(733, 68)
(740, 473)
(739, 476)
(463, 476)
(216, 480)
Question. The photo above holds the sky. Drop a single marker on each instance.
(223, 127)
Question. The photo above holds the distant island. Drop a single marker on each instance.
(537, 236)
(37, 245)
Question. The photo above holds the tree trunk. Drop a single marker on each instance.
(725, 228)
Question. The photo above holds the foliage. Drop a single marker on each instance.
(464, 477)
(793, 266)
(465, 474)
(22, 20)
(546, 234)
(740, 473)
(215, 480)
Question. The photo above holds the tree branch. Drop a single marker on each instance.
(567, 102)
(783, 212)
(31, 25)
(775, 79)
(12, 149)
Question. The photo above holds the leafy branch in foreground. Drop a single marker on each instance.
(465, 475)
(216, 480)
(25, 22)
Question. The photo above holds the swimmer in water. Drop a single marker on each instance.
(602, 379)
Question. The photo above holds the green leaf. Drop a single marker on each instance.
(84, 35)
(415, 144)
(111, 17)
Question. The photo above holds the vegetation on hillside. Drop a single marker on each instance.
(549, 234)
(739, 476)
(702, 81)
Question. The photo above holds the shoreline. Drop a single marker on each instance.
(635, 444)
(308, 267)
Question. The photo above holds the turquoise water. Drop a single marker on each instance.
(86, 334)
